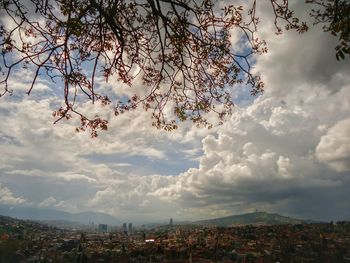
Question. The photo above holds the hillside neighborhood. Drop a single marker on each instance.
(29, 241)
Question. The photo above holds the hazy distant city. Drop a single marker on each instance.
(23, 241)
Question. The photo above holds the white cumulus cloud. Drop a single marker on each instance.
(8, 198)
(334, 146)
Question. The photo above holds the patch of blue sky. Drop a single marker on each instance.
(20, 82)
(176, 162)
(36, 188)
(242, 97)
(241, 93)
(6, 111)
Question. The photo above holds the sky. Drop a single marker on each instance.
(287, 151)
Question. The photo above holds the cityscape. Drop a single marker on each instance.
(24, 241)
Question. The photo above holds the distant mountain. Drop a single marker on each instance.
(50, 214)
(41, 214)
(96, 218)
(63, 224)
(257, 218)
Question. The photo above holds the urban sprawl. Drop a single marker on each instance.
(28, 241)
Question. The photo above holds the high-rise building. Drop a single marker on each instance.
(102, 228)
(171, 222)
(125, 230)
(130, 228)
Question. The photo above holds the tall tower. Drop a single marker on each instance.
(125, 230)
(171, 222)
(102, 228)
(130, 228)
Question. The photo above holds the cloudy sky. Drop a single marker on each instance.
(287, 151)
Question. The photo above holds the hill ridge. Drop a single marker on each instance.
(255, 218)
